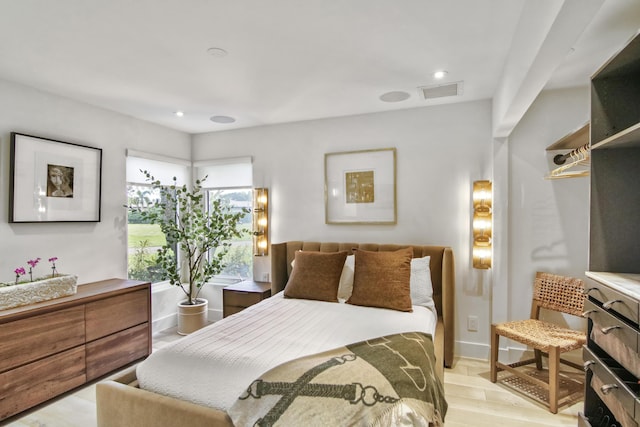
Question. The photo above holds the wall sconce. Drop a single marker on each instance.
(482, 224)
(260, 221)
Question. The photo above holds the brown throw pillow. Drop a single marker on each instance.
(382, 279)
(316, 275)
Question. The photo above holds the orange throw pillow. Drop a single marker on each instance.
(316, 275)
(382, 279)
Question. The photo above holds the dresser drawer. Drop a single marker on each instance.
(616, 388)
(112, 352)
(612, 300)
(26, 340)
(122, 311)
(241, 298)
(611, 332)
(37, 382)
(232, 309)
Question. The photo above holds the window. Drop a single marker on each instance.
(231, 180)
(239, 259)
(145, 239)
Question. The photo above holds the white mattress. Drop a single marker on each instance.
(214, 365)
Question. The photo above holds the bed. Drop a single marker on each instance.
(123, 402)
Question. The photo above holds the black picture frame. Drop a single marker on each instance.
(54, 181)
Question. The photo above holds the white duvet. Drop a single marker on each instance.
(214, 365)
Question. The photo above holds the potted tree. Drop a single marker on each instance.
(201, 236)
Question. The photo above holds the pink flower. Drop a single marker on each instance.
(20, 271)
(53, 259)
(33, 262)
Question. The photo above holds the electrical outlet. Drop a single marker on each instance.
(472, 323)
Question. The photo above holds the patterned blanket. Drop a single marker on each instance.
(385, 381)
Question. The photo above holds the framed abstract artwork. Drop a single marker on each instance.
(360, 187)
(53, 181)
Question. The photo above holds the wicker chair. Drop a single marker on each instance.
(552, 292)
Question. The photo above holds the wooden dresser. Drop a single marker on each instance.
(54, 346)
(242, 295)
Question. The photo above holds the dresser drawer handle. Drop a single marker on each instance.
(586, 291)
(587, 364)
(609, 329)
(588, 312)
(606, 389)
(607, 305)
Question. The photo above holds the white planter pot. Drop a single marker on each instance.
(41, 290)
(192, 317)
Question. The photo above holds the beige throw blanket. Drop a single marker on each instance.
(385, 381)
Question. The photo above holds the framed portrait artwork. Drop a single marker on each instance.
(53, 181)
(360, 187)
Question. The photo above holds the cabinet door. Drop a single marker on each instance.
(23, 341)
(117, 313)
(37, 382)
(114, 351)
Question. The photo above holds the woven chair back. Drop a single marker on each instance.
(559, 293)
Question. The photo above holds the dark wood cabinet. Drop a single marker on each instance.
(54, 346)
(237, 297)
(612, 363)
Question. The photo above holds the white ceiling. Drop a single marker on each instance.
(288, 60)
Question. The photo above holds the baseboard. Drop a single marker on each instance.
(507, 355)
(165, 322)
(472, 350)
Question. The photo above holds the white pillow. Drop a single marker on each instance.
(420, 282)
(346, 279)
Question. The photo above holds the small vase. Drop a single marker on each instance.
(192, 317)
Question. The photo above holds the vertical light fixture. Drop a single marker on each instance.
(260, 221)
(482, 224)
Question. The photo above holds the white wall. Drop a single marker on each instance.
(93, 251)
(440, 152)
(548, 220)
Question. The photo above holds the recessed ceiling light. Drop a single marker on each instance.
(217, 51)
(222, 119)
(179, 113)
(439, 74)
(395, 96)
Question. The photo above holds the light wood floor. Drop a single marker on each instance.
(473, 401)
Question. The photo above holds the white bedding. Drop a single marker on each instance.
(214, 365)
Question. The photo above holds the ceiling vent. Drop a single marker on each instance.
(441, 90)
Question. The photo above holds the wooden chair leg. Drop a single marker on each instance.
(554, 378)
(495, 343)
(538, 356)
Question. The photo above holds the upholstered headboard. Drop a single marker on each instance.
(442, 277)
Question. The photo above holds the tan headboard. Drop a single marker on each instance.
(441, 265)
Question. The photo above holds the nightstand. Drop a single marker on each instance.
(236, 298)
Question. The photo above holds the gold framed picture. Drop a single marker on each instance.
(360, 187)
